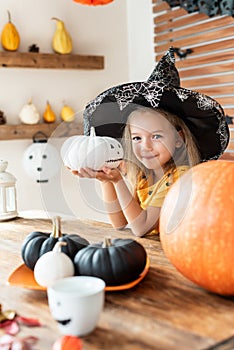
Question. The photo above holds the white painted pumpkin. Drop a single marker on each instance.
(29, 114)
(52, 266)
(92, 151)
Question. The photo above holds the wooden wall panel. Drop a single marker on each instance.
(210, 67)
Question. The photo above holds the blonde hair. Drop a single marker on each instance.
(187, 154)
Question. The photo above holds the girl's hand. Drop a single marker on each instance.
(104, 175)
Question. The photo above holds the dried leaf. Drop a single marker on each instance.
(30, 322)
(9, 314)
(8, 342)
(12, 328)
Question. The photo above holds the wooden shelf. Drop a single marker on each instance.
(50, 60)
(55, 130)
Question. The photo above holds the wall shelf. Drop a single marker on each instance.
(45, 60)
(55, 130)
(50, 60)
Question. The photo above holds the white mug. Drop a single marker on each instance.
(76, 303)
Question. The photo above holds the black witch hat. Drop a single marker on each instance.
(202, 114)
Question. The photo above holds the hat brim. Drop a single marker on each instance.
(203, 116)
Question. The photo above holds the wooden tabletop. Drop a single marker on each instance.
(164, 311)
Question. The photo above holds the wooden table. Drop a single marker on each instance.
(164, 312)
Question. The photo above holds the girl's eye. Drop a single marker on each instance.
(157, 137)
(136, 138)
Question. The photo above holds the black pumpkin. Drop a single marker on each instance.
(38, 243)
(117, 262)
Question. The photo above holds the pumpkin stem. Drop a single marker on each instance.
(107, 242)
(92, 132)
(58, 246)
(9, 16)
(56, 229)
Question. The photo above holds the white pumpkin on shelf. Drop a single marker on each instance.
(92, 152)
(29, 114)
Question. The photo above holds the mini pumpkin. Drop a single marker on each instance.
(92, 151)
(197, 226)
(62, 41)
(49, 116)
(10, 37)
(116, 261)
(29, 113)
(52, 266)
(38, 243)
(67, 113)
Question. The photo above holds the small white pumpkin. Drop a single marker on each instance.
(29, 114)
(52, 266)
(92, 151)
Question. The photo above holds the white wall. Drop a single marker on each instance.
(140, 39)
(100, 30)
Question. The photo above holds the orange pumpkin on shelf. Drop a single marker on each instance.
(49, 116)
(197, 226)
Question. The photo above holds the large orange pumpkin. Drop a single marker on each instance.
(197, 226)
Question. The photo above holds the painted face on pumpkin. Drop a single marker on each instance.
(114, 153)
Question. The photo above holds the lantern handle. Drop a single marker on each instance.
(40, 137)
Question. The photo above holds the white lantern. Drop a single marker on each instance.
(8, 205)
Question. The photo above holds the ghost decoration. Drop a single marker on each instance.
(92, 152)
(41, 160)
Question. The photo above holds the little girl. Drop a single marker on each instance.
(167, 130)
(158, 149)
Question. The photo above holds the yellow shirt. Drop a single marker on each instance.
(154, 195)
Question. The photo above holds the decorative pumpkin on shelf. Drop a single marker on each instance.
(52, 266)
(67, 113)
(38, 243)
(62, 41)
(29, 113)
(92, 151)
(197, 226)
(116, 262)
(49, 116)
(10, 38)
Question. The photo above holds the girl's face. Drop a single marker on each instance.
(154, 139)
